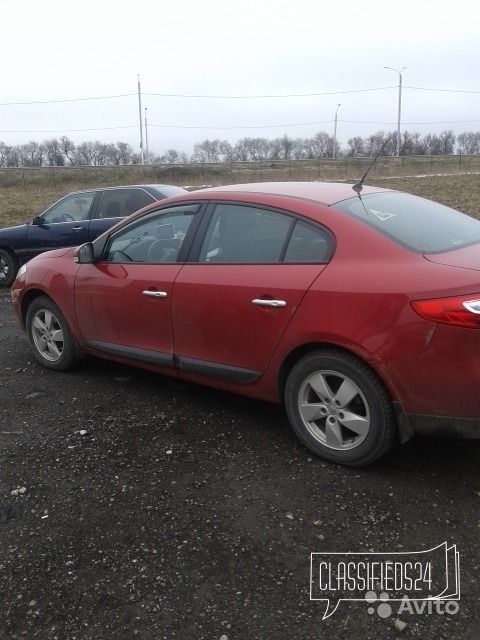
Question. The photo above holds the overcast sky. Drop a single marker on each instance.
(59, 49)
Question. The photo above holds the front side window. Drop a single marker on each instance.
(71, 209)
(419, 224)
(244, 234)
(156, 238)
(118, 203)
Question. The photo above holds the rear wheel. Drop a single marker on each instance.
(339, 408)
(51, 339)
(8, 267)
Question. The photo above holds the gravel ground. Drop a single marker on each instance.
(158, 509)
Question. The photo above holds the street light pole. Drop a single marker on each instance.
(334, 153)
(399, 103)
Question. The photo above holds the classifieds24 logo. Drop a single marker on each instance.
(412, 581)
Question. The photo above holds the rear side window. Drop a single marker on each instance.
(118, 203)
(243, 234)
(416, 223)
(308, 243)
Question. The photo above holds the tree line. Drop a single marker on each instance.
(64, 152)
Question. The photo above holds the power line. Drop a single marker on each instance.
(262, 96)
(442, 90)
(237, 127)
(235, 97)
(119, 95)
(252, 126)
(410, 123)
(126, 126)
(302, 95)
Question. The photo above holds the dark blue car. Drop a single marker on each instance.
(74, 219)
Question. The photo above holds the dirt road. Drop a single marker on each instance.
(157, 509)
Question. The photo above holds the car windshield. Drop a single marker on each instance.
(420, 225)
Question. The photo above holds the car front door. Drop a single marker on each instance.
(123, 302)
(65, 224)
(231, 306)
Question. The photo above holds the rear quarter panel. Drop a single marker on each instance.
(360, 302)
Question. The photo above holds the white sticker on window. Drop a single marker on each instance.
(382, 215)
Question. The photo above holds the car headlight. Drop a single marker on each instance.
(22, 271)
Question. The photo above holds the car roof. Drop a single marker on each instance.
(126, 186)
(323, 192)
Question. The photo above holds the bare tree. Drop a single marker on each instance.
(469, 142)
(447, 139)
(357, 146)
(53, 153)
(171, 156)
(68, 149)
(31, 154)
(4, 153)
(206, 151)
(124, 153)
(374, 143)
(226, 151)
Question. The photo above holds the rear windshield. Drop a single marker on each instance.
(420, 225)
(168, 190)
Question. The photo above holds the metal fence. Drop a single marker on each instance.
(60, 179)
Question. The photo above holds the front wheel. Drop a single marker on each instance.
(339, 408)
(50, 337)
(8, 268)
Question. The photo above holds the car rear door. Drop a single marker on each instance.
(114, 204)
(233, 303)
(123, 302)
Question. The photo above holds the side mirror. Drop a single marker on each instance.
(84, 254)
(37, 220)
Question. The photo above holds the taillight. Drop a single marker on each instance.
(462, 311)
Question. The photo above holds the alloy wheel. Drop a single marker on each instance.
(47, 335)
(334, 410)
(4, 269)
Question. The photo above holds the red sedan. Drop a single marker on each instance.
(358, 309)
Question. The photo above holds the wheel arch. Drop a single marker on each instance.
(12, 252)
(302, 350)
(28, 298)
(405, 428)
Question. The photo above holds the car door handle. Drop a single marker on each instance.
(154, 294)
(262, 302)
(77, 228)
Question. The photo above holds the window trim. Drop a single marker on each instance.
(193, 257)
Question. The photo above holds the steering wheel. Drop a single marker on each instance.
(66, 217)
(120, 254)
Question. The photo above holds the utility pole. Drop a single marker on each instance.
(334, 153)
(399, 104)
(140, 119)
(146, 137)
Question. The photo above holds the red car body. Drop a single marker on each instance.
(361, 301)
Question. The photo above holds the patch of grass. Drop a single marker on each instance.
(25, 192)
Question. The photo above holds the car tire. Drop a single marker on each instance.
(52, 341)
(8, 267)
(339, 408)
